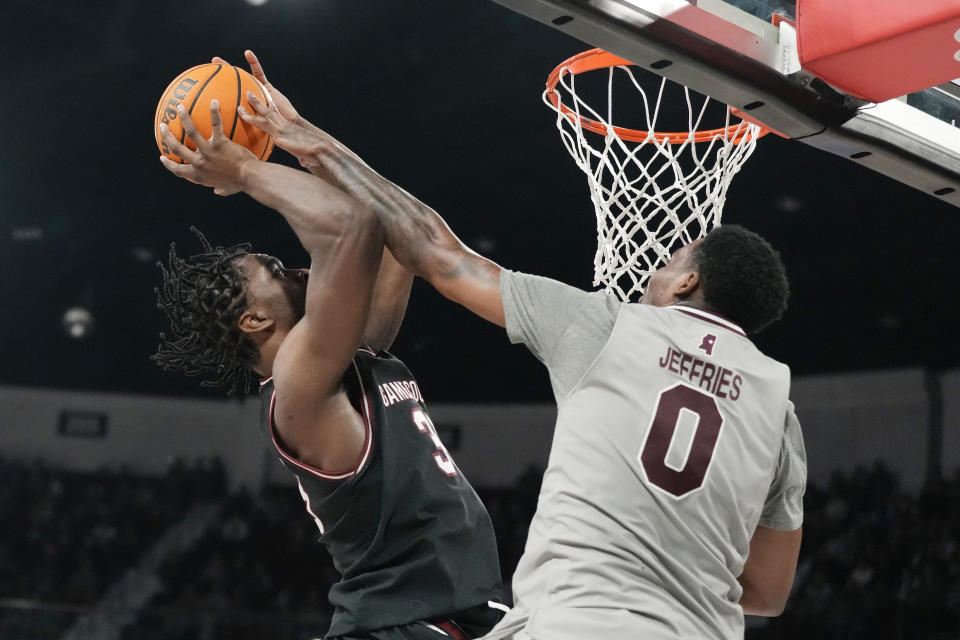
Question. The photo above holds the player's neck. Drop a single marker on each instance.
(685, 304)
(693, 299)
(699, 304)
(268, 354)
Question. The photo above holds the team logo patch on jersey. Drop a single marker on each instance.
(706, 345)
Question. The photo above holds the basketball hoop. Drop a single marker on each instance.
(650, 189)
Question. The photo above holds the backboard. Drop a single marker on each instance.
(740, 52)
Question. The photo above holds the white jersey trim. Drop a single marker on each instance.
(325, 475)
(496, 605)
(435, 628)
(306, 501)
(709, 317)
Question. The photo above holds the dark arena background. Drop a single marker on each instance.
(138, 506)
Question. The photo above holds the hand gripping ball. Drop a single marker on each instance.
(194, 88)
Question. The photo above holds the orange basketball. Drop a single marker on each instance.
(194, 88)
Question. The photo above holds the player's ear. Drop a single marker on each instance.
(253, 320)
(686, 284)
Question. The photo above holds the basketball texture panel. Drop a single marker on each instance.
(195, 88)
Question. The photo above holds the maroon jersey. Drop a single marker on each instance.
(406, 531)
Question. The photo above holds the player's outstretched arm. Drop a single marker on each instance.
(768, 574)
(345, 241)
(416, 235)
(295, 135)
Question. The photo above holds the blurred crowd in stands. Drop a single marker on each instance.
(875, 562)
(67, 536)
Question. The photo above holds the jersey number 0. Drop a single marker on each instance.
(680, 474)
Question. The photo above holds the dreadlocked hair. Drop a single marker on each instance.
(202, 298)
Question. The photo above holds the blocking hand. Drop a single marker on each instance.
(276, 99)
(292, 138)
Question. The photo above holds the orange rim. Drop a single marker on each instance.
(599, 59)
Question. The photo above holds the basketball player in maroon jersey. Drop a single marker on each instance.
(412, 541)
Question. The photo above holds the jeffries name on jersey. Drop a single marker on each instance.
(719, 381)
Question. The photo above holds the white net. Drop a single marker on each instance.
(654, 195)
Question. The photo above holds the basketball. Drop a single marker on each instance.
(194, 88)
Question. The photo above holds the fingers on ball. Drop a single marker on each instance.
(195, 88)
(216, 122)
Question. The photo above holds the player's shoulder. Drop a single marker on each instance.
(531, 298)
(377, 360)
(519, 282)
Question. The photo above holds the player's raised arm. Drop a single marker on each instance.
(394, 280)
(345, 241)
(416, 235)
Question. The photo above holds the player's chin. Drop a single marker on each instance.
(301, 296)
(296, 293)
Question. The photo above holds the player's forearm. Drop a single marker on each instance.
(314, 209)
(389, 303)
(408, 223)
(327, 163)
(768, 574)
(755, 602)
(416, 235)
(332, 160)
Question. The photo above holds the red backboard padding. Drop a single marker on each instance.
(880, 49)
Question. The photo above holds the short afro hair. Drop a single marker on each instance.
(203, 297)
(742, 276)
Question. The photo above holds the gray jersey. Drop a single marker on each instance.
(674, 439)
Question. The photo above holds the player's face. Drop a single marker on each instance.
(662, 285)
(278, 291)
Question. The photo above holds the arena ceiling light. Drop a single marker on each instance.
(77, 322)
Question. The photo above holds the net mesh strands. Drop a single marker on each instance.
(652, 192)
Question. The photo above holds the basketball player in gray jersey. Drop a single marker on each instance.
(672, 502)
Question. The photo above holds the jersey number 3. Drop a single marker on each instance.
(441, 456)
(678, 463)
